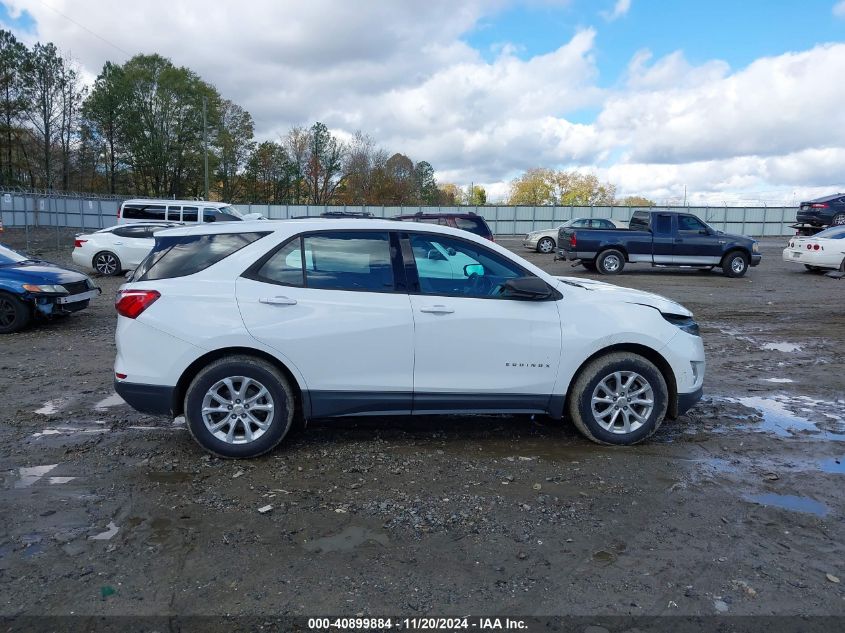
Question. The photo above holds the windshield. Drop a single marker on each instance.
(8, 256)
(230, 210)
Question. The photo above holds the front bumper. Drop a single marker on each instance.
(530, 243)
(756, 258)
(687, 401)
(155, 399)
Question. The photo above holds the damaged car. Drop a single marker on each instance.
(34, 289)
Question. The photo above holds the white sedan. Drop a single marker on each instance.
(545, 241)
(115, 249)
(823, 250)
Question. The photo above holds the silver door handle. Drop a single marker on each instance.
(278, 301)
(117, 242)
(438, 309)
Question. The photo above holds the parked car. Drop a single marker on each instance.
(659, 238)
(32, 288)
(823, 250)
(258, 324)
(545, 241)
(471, 222)
(115, 249)
(829, 210)
(187, 211)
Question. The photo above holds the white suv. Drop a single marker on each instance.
(246, 327)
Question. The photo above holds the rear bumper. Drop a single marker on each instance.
(687, 401)
(574, 255)
(156, 399)
(811, 217)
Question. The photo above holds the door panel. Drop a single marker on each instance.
(663, 238)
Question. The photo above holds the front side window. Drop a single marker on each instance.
(449, 266)
(690, 223)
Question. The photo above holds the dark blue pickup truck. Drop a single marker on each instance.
(659, 238)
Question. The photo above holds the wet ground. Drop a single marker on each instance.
(736, 508)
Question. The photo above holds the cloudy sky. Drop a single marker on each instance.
(737, 102)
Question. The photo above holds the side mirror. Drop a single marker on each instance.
(473, 269)
(526, 289)
(704, 231)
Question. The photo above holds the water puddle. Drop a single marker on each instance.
(347, 540)
(790, 502)
(51, 406)
(53, 481)
(29, 475)
(778, 380)
(105, 536)
(113, 400)
(69, 430)
(782, 347)
(833, 465)
(777, 418)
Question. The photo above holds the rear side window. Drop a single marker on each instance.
(143, 212)
(189, 214)
(132, 231)
(639, 221)
(348, 261)
(473, 225)
(182, 255)
(662, 224)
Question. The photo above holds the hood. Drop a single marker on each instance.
(40, 273)
(608, 292)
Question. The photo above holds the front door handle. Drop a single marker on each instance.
(278, 301)
(437, 309)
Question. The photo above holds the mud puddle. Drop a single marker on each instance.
(794, 503)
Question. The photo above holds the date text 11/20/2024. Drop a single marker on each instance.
(417, 624)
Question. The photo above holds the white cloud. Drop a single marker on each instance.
(839, 9)
(620, 9)
(402, 73)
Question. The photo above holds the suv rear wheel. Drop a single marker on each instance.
(239, 406)
(619, 399)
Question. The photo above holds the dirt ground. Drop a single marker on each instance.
(736, 508)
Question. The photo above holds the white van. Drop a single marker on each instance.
(186, 211)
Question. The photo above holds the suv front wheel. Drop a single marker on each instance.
(239, 406)
(620, 398)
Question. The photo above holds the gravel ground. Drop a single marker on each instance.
(735, 508)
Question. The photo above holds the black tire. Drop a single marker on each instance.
(842, 266)
(610, 262)
(735, 264)
(591, 266)
(15, 315)
(838, 219)
(279, 418)
(107, 263)
(588, 381)
(546, 246)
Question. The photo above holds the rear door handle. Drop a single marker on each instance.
(437, 309)
(278, 301)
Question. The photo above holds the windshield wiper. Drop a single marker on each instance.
(576, 284)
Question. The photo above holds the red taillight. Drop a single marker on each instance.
(78, 243)
(573, 241)
(131, 303)
(819, 205)
(119, 376)
(119, 209)
(816, 247)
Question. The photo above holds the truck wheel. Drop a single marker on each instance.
(735, 264)
(620, 399)
(14, 314)
(239, 406)
(610, 262)
(546, 245)
(838, 219)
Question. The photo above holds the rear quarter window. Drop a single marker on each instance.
(182, 255)
(473, 225)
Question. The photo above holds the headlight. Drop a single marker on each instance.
(685, 323)
(45, 288)
(755, 247)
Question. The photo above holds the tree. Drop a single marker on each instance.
(449, 194)
(270, 174)
(635, 201)
(364, 169)
(43, 71)
(71, 94)
(297, 143)
(235, 144)
(323, 167)
(13, 101)
(425, 184)
(542, 186)
(103, 111)
(476, 196)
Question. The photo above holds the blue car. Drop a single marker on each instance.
(32, 288)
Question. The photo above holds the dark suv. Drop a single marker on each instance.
(829, 210)
(471, 222)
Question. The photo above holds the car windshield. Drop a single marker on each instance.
(8, 256)
(833, 233)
